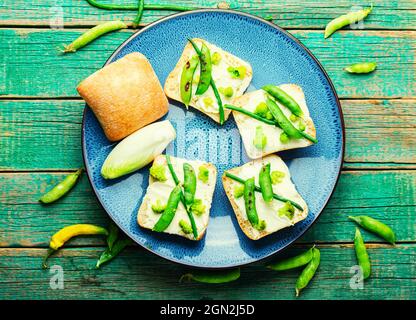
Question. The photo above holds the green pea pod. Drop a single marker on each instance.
(110, 254)
(171, 207)
(364, 67)
(189, 183)
(282, 121)
(265, 182)
(376, 227)
(220, 276)
(293, 262)
(346, 19)
(284, 99)
(309, 271)
(186, 79)
(250, 202)
(206, 68)
(61, 188)
(362, 255)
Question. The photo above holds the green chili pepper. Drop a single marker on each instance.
(257, 189)
(309, 271)
(171, 207)
(220, 276)
(364, 67)
(177, 182)
(108, 6)
(189, 183)
(186, 79)
(109, 254)
(205, 70)
(346, 19)
(284, 99)
(113, 232)
(376, 227)
(265, 182)
(61, 188)
(362, 255)
(93, 34)
(250, 205)
(293, 262)
(140, 9)
(282, 121)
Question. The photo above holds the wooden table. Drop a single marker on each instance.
(40, 142)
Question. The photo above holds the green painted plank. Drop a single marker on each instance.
(35, 132)
(386, 195)
(133, 275)
(32, 67)
(288, 14)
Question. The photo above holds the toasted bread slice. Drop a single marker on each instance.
(220, 74)
(158, 190)
(269, 212)
(247, 125)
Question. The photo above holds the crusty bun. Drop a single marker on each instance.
(125, 96)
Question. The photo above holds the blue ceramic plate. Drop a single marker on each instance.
(276, 57)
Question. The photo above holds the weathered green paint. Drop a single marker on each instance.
(30, 57)
(396, 14)
(386, 195)
(132, 276)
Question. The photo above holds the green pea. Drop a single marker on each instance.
(227, 92)
(189, 183)
(265, 182)
(238, 191)
(186, 79)
(364, 67)
(198, 207)
(61, 188)
(237, 72)
(309, 271)
(285, 99)
(261, 110)
(293, 262)
(205, 70)
(277, 176)
(282, 121)
(362, 255)
(284, 138)
(376, 227)
(216, 58)
(203, 174)
(346, 19)
(213, 277)
(169, 213)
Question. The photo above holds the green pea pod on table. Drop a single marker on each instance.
(363, 67)
(309, 271)
(110, 6)
(61, 188)
(109, 254)
(213, 277)
(206, 68)
(375, 227)
(285, 99)
(346, 19)
(265, 182)
(169, 213)
(186, 79)
(189, 183)
(293, 262)
(362, 255)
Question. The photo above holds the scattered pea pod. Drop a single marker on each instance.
(63, 235)
(257, 189)
(309, 271)
(186, 79)
(61, 188)
(213, 277)
(93, 34)
(293, 262)
(169, 213)
(189, 183)
(206, 68)
(376, 227)
(108, 6)
(284, 99)
(362, 255)
(265, 182)
(346, 19)
(364, 67)
(250, 202)
(140, 9)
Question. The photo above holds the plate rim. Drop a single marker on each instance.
(293, 38)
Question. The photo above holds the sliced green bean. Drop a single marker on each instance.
(362, 255)
(292, 262)
(140, 9)
(93, 34)
(205, 69)
(257, 189)
(375, 227)
(250, 202)
(309, 271)
(109, 6)
(282, 121)
(363, 67)
(109, 254)
(265, 182)
(346, 19)
(285, 99)
(220, 276)
(189, 183)
(186, 79)
(171, 207)
(61, 188)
